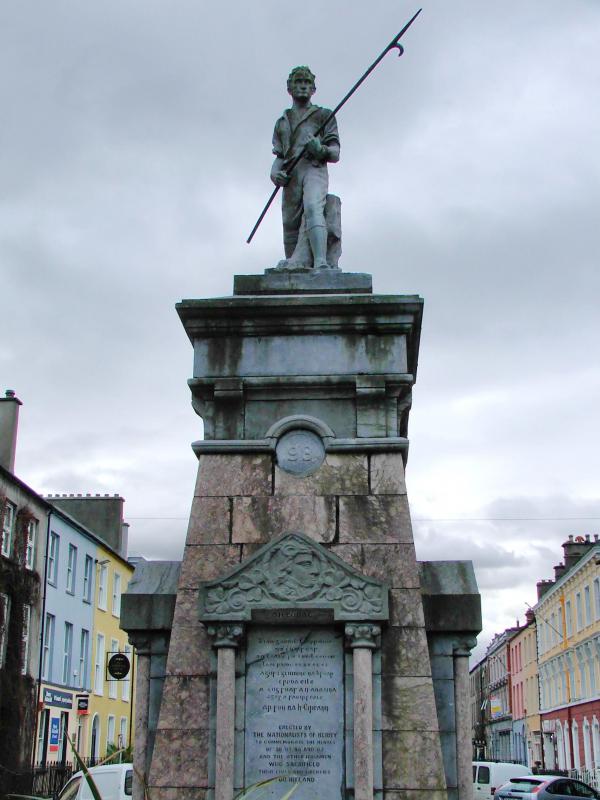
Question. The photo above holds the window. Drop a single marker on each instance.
(112, 683)
(8, 523)
(122, 733)
(88, 579)
(483, 775)
(4, 621)
(102, 587)
(53, 558)
(597, 597)
(579, 789)
(67, 654)
(578, 611)
(84, 655)
(48, 647)
(587, 602)
(42, 741)
(561, 629)
(126, 683)
(25, 638)
(32, 527)
(110, 732)
(569, 616)
(71, 569)
(99, 665)
(116, 595)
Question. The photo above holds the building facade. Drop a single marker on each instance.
(85, 579)
(568, 620)
(63, 567)
(498, 688)
(526, 743)
(23, 529)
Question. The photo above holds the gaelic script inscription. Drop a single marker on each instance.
(295, 711)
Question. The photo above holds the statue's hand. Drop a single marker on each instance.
(280, 178)
(314, 149)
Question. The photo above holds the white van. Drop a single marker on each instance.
(114, 782)
(491, 775)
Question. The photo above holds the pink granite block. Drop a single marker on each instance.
(344, 473)
(236, 474)
(184, 702)
(180, 759)
(387, 473)
(210, 520)
(376, 519)
(204, 562)
(260, 519)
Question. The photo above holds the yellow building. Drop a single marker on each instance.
(568, 621)
(109, 719)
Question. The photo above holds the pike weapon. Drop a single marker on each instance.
(394, 44)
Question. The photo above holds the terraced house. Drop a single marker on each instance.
(63, 567)
(568, 621)
(23, 525)
(82, 613)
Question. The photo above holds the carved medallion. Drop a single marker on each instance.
(300, 452)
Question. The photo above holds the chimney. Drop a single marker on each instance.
(9, 419)
(529, 616)
(542, 587)
(559, 571)
(576, 547)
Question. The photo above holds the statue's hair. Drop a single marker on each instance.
(303, 72)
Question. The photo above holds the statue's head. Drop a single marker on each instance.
(301, 75)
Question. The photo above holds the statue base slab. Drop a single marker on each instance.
(304, 281)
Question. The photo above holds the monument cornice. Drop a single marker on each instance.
(294, 573)
(256, 315)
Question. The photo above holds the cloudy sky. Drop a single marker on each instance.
(134, 159)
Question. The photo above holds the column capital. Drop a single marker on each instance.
(226, 635)
(141, 641)
(463, 645)
(361, 634)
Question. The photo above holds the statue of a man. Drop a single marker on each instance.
(305, 190)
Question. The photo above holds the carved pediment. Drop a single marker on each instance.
(294, 572)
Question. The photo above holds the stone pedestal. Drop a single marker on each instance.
(300, 532)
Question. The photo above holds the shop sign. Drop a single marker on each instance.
(118, 666)
(83, 703)
(496, 707)
(54, 734)
(54, 697)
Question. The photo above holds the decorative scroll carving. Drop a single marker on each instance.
(362, 635)
(294, 571)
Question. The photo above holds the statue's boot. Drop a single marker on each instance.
(317, 236)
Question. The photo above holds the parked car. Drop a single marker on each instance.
(114, 782)
(490, 775)
(544, 787)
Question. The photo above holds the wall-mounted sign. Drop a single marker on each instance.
(83, 703)
(118, 666)
(54, 734)
(496, 707)
(56, 698)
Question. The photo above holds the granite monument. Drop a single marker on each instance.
(300, 639)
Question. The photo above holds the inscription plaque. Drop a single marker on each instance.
(295, 711)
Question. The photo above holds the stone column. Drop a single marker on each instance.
(362, 640)
(225, 640)
(462, 708)
(142, 715)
